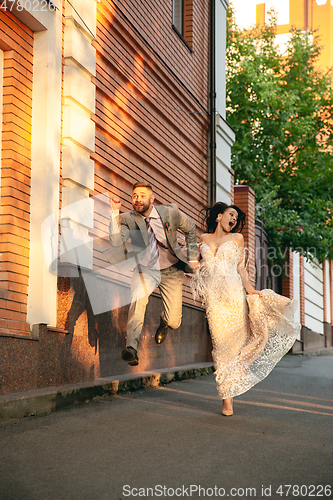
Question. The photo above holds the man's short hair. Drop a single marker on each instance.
(141, 185)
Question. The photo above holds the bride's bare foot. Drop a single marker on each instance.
(227, 410)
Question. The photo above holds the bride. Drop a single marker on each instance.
(250, 334)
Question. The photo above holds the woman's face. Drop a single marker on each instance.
(228, 219)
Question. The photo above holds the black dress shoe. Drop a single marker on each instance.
(130, 355)
(161, 332)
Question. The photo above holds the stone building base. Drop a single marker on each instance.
(87, 346)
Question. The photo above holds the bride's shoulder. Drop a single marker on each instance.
(202, 238)
(239, 239)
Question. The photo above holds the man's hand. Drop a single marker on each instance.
(115, 203)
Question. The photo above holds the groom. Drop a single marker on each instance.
(148, 233)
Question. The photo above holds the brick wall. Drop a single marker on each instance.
(16, 40)
(142, 132)
(244, 198)
(188, 22)
(288, 277)
(143, 84)
(146, 83)
(154, 20)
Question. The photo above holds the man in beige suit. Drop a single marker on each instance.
(148, 233)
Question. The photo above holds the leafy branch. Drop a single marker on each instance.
(281, 107)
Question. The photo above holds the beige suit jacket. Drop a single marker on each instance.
(133, 236)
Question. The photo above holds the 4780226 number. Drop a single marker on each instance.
(28, 5)
(295, 490)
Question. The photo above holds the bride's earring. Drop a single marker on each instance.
(218, 218)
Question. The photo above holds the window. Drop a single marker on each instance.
(178, 15)
(182, 20)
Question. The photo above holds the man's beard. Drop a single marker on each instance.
(142, 208)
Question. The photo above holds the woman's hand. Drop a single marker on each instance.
(252, 291)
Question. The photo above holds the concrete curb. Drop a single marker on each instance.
(42, 401)
(327, 351)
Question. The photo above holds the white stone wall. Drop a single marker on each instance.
(78, 133)
(313, 295)
(296, 290)
(221, 7)
(45, 156)
(329, 291)
(225, 136)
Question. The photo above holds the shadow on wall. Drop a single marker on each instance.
(86, 346)
(95, 341)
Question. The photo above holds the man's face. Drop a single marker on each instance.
(142, 198)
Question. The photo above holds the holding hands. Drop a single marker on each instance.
(194, 264)
(251, 291)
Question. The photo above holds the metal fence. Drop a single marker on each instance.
(265, 269)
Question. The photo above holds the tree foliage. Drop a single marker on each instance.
(280, 107)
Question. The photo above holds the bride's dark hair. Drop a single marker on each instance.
(220, 207)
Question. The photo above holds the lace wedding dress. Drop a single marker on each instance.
(250, 334)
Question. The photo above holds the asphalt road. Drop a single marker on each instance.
(173, 442)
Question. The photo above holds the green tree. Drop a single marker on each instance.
(280, 107)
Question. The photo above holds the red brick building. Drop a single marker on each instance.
(16, 44)
(95, 96)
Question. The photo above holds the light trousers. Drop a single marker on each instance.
(170, 283)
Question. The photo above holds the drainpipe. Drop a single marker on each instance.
(212, 165)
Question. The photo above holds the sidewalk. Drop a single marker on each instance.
(171, 441)
(42, 401)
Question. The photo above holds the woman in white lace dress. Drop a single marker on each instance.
(250, 334)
